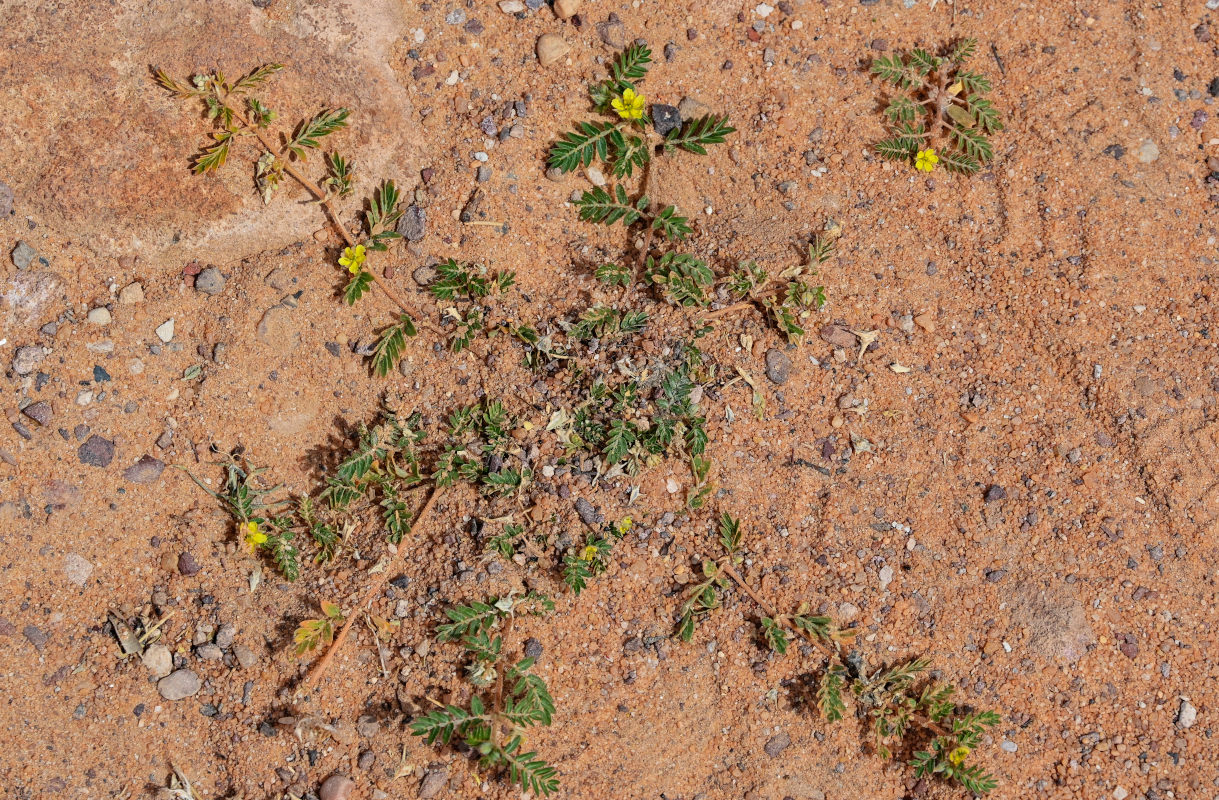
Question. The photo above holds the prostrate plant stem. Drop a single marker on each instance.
(370, 594)
(222, 99)
(888, 696)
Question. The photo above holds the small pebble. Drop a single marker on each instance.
(433, 783)
(778, 366)
(23, 255)
(131, 294)
(179, 685)
(777, 744)
(1186, 715)
(566, 9)
(146, 470)
(209, 282)
(96, 451)
(551, 48)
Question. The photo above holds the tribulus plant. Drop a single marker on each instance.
(507, 698)
(237, 114)
(789, 300)
(630, 140)
(906, 710)
(940, 114)
(258, 512)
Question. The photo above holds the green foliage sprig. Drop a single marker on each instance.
(626, 145)
(629, 432)
(787, 301)
(897, 699)
(941, 107)
(257, 510)
(591, 559)
(236, 113)
(495, 724)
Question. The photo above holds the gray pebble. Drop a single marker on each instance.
(995, 493)
(456, 16)
(533, 648)
(158, 660)
(146, 470)
(337, 787)
(27, 359)
(665, 118)
(1186, 714)
(995, 575)
(433, 783)
(484, 174)
(209, 652)
(777, 744)
(179, 685)
(40, 412)
(210, 281)
(188, 565)
(246, 657)
(96, 451)
(778, 366)
(225, 635)
(34, 635)
(23, 254)
(6, 200)
(588, 514)
(413, 225)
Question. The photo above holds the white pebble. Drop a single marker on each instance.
(763, 10)
(99, 316)
(165, 331)
(1186, 714)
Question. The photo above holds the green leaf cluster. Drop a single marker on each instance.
(495, 729)
(937, 94)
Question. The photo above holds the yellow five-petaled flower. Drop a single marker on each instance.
(253, 536)
(588, 553)
(624, 526)
(353, 258)
(957, 756)
(629, 105)
(925, 160)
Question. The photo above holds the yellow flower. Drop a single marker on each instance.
(624, 526)
(630, 105)
(588, 553)
(352, 258)
(957, 756)
(925, 160)
(253, 537)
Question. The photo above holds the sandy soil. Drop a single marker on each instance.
(1057, 311)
